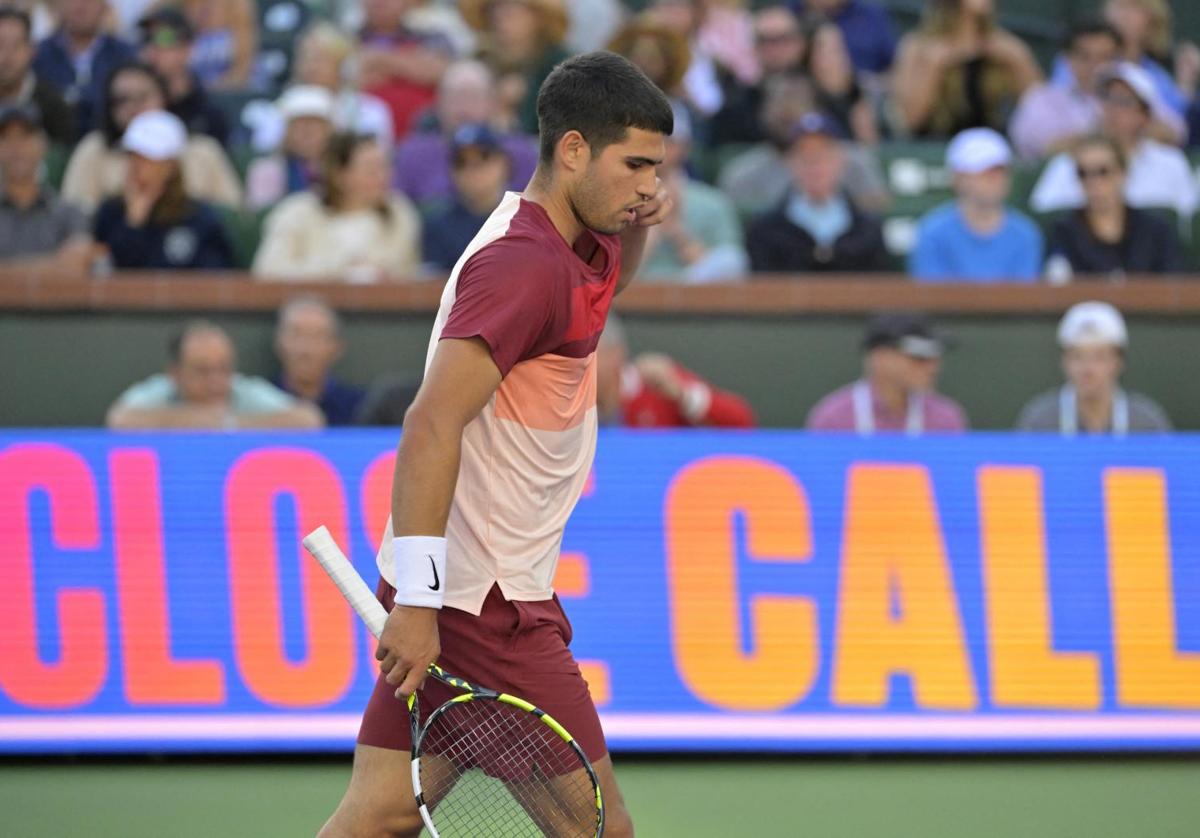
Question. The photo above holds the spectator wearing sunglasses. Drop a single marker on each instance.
(1106, 236)
(1158, 174)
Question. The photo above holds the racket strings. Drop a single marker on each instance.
(490, 769)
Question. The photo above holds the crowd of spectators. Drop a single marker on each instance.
(392, 128)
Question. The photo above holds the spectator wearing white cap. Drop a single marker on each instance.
(1094, 341)
(1159, 175)
(154, 224)
(1106, 237)
(98, 164)
(977, 237)
(1055, 113)
(307, 111)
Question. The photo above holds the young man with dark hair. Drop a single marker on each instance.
(499, 441)
(166, 45)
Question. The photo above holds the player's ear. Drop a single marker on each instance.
(574, 151)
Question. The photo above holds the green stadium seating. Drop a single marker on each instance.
(245, 231)
(56, 164)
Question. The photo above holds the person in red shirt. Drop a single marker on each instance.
(655, 391)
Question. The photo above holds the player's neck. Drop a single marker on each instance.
(541, 192)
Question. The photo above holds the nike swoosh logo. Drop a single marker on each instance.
(437, 583)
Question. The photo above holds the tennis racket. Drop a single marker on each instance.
(484, 763)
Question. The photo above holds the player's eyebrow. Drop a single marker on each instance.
(644, 161)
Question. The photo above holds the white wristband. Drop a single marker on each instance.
(420, 570)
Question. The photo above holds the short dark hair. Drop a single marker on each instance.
(20, 16)
(112, 131)
(180, 335)
(1103, 141)
(1087, 28)
(601, 95)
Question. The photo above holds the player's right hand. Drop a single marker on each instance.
(408, 644)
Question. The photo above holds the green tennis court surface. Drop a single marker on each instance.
(1093, 798)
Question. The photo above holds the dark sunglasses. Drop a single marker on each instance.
(1086, 173)
(770, 38)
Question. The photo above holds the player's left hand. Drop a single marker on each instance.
(656, 209)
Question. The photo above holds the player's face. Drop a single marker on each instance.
(616, 182)
(204, 374)
(1092, 370)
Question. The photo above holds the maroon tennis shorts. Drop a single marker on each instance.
(514, 647)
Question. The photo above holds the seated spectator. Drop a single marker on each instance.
(480, 170)
(387, 400)
(960, 70)
(1145, 30)
(1107, 237)
(325, 58)
(655, 391)
(817, 228)
(780, 46)
(866, 28)
(356, 229)
(977, 237)
(838, 93)
(308, 343)
(658, 51)
(1094, 342)
(37, 229)
(400, 65)
(592, 24)
(1158, 175)
(42, 14)
(1052, 115)
(466, 96)
(296, 166)
(226, 41)
(758, 179)
(898, 390)
(701, 240)
(96, 169)
(201, 390)
(721, 41)
(19, 86)
(520, 40)
(79, 57)
(167, 40)
(154, 223)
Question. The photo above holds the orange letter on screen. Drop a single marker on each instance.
(78, 674)
(1151, 671)
(702, 575)
(1026, 671)
(152, 675)
(897, 609)
(255, 482)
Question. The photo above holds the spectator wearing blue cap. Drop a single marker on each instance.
(480, 169)
(977, 237)
(817, 228)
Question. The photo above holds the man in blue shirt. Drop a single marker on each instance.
(866, 27)
(977, 237)
(78, 58)
(308, 344)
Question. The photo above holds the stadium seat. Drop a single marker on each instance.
(244, 230)
(56, 164)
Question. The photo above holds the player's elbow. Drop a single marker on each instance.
(425, 428)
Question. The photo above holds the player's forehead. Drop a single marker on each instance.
(640, 144)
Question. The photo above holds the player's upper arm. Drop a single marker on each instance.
(461, 378)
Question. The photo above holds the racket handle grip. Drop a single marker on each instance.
(325, 550)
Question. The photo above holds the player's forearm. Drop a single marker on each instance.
(633, 245)
(426, 474)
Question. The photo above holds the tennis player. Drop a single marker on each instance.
(499, 441)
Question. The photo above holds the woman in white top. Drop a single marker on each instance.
(98, 165)
(355, 230)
